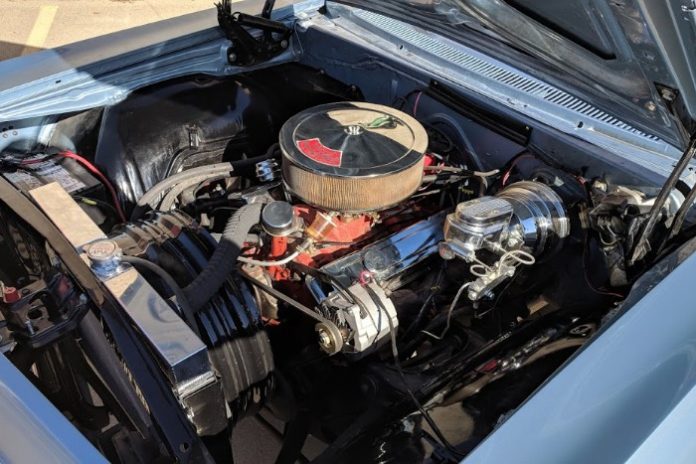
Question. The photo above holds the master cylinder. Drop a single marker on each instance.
(519, 224)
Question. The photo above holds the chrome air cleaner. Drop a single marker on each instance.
(352, 157)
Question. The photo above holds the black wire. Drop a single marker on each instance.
(448, 145)
(434, 323)
(497, 300)
(421, 313)
(181, 299)
(397, 364)
(404, 99)
(434, 289)
(336, 283)
(379, 315)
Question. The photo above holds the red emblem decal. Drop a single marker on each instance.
(317, 151)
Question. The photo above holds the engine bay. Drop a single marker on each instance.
(322, 259)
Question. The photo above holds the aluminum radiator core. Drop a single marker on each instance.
(352, 157)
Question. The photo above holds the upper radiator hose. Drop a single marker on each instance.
(224, 258)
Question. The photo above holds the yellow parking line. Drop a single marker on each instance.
(42, 26)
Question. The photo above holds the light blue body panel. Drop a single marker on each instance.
(104, 70)
(627, 396)
(32, 430)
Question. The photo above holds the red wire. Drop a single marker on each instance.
(589, 283)
(506, 176)
(93, 169)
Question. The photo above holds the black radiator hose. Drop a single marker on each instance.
(224, 258)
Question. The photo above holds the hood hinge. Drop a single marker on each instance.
(247, 49)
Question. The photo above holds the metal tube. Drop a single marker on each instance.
(680, 217)
(642, 247)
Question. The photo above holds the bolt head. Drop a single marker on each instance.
(667, 94)
(324, 338)
(446, 251)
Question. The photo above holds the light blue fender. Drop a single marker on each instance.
(628, 396)
(32, 430)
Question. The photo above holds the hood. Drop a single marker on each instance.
(636, 59)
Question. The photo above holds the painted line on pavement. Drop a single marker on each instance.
(42, 26)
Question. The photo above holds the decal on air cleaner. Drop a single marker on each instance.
(317, 151)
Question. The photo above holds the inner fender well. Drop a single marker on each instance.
(199, 120)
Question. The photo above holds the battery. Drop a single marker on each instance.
(31, 171)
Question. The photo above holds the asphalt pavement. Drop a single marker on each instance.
(31, 25)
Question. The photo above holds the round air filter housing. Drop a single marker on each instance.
(352, 157)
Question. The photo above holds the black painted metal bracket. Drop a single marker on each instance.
(246, 48)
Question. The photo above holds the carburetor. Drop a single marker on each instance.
(517, 225)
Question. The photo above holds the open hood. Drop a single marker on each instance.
(634, 58)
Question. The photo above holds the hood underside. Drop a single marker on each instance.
(632, 57)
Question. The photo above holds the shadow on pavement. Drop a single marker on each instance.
(11, 50)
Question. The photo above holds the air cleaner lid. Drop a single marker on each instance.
(353, 139)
